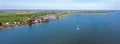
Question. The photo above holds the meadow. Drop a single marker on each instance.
(10, 16)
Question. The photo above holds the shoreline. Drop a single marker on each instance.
(43, 18)
(31, 20)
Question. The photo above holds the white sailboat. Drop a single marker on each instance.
(77, 28)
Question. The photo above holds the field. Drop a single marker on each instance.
(9, 16)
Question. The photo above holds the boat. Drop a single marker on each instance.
(77, 28)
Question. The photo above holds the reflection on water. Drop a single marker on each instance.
(71, 29)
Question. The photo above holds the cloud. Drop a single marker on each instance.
(63, 4)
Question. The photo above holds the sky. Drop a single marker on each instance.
(61, 4)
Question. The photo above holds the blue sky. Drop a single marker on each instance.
(61, 4)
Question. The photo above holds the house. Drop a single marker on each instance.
(23, 21)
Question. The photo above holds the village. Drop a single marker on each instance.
(30, 20)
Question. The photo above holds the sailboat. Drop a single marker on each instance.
(77, 28)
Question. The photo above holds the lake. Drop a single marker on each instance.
(70, 29)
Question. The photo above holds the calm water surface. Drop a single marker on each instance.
(93, 29)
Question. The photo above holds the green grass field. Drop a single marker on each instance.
(9, 16)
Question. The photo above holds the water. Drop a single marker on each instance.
(93, 29)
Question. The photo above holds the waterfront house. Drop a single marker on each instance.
(23, 21)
